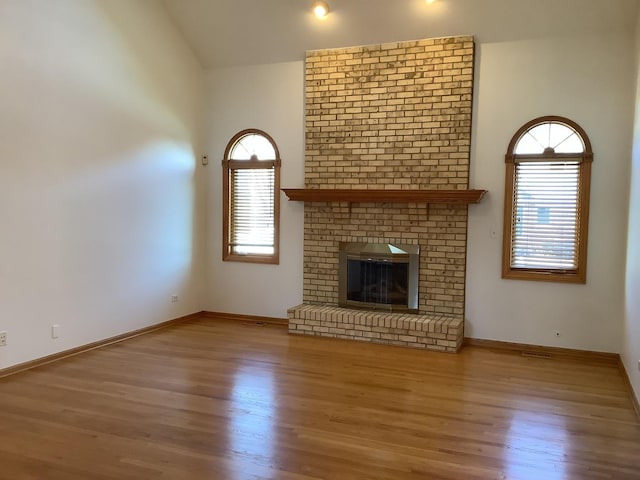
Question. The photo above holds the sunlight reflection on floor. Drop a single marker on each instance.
(253, 424)
(536, 440)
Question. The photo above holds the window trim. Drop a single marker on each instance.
(578, 275)
(228, 166)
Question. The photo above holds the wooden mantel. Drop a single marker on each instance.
(383, 196)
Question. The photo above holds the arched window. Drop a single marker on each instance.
(251, 206)
(546, 214)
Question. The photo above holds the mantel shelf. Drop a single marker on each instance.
(384, 196)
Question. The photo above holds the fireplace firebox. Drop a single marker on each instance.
(378, 276)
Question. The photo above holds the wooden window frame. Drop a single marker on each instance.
(228, 166)
(579, 274)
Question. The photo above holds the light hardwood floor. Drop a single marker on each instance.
(218, 399)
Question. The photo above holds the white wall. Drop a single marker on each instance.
(99, 122)
(270, 98)
(589, 80)
(631, 347)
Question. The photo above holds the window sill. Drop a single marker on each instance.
(262, 259)
(545, 276)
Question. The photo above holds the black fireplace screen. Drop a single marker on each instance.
(377, 281)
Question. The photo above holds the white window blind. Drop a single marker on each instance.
(546, 217)
(252, 211)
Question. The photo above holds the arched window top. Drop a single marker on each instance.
(549, 137)
(251, 144)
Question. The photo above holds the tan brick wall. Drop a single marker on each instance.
(394, 116)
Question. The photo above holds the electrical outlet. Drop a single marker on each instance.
(205, 159)
(174, 298)
(3, 339)
(55, 331)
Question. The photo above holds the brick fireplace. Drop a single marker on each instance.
(388, 117)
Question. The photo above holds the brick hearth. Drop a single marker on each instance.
(408, 330)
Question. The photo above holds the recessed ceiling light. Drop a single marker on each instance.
(320, 9)
(430, 1)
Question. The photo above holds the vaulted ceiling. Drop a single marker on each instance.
(243, 32)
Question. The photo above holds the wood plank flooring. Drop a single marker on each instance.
(218, 399)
